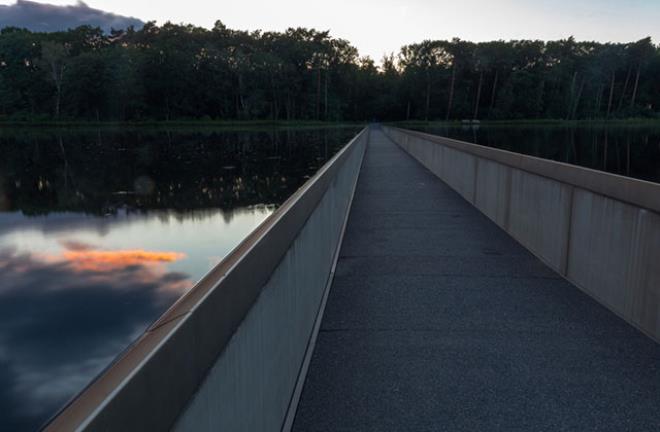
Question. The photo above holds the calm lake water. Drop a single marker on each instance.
(101, 231)
(629, 150)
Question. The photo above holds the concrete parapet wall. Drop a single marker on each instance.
(230, 354)
(600, 231)
(251, 384)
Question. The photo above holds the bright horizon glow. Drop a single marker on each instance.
(380, 27)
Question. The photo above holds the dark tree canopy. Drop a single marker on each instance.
(178, 72)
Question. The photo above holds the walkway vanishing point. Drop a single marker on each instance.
(398, 291)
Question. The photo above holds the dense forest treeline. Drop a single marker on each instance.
(177, 72)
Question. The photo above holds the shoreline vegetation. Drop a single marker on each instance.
(177, 74)
(220, 124)
(271, 124)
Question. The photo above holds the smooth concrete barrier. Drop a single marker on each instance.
(598, 230)
(230, 355)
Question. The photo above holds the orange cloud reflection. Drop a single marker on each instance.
(103, 261)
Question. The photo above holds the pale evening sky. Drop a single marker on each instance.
(378, 27)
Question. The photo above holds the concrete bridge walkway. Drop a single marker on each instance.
(439, 321)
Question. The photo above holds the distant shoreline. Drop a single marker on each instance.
(532, 122)
(223, 124)
(269, 124)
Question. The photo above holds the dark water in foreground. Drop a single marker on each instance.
(101, 231)
(629, 150)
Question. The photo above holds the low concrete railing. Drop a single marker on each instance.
(231, 354)
(600, 231)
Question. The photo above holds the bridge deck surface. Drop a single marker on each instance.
(438, 320)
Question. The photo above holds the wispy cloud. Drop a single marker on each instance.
(101, 260)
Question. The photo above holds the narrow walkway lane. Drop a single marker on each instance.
(438, 321)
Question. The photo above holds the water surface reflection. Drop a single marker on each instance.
(629, 150)
(100, 235)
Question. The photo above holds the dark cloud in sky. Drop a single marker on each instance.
(48, 18)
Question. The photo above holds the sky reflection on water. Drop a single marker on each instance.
(74, 295)
(99, 238)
